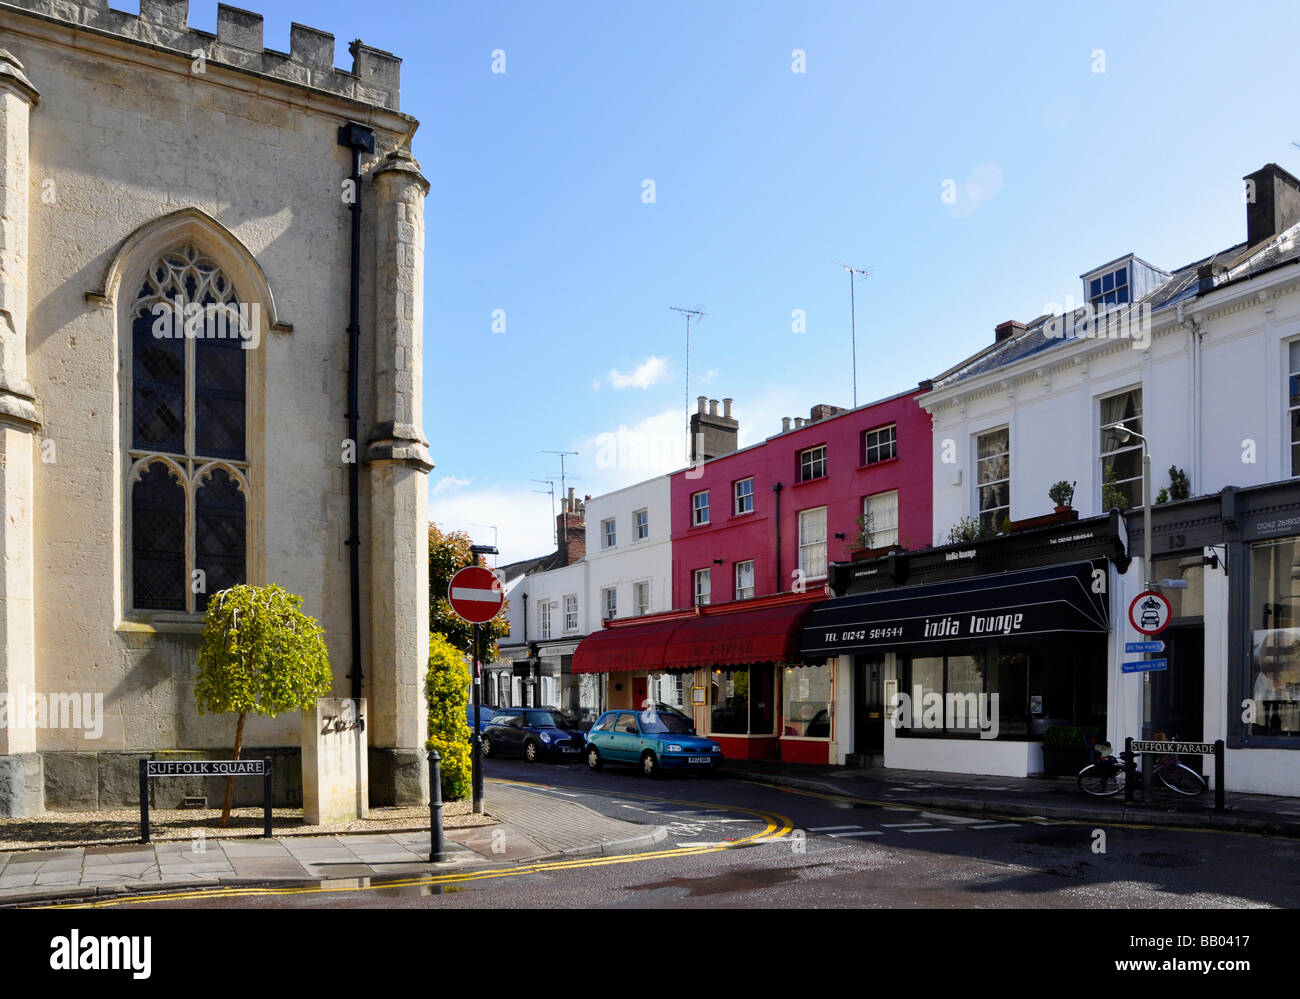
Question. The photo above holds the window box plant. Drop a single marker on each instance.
(1062, 494)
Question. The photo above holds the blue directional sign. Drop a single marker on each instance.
(1145, 665)
(1144, 646)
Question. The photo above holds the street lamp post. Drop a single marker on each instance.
(476, 746)
(1123, 434)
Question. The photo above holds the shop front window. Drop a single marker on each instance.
(666, 688)
(808, 702)
(741, 701)
(1274, 622)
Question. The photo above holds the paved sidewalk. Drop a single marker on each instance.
(1058, 798)
(531, 827)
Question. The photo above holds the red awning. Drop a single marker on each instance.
(772, 634)
(717, 635)
(617, 650)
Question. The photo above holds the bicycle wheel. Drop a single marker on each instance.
(1101, 782)
(1182, 779)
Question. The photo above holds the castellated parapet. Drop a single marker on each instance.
(375, 77)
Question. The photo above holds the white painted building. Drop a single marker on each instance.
(1209, 373)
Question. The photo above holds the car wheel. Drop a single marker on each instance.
(531, 751)
(650, 764)
(487, 746)
(594, 762)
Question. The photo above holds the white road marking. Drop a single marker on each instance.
(902, 825)
(999, 825)
(960, 820)
(829, 828)
(864, 832)
(944, 829)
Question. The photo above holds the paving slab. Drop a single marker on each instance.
(267, 867)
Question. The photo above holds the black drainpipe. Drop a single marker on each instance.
(359, 139)
(777, 489)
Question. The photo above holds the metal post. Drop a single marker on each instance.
(1129, 770)
(1147, 728)
(436, 852)
(266, 798)
(144, 801)
(1148, 777)
(476, 746)
(1218, 776)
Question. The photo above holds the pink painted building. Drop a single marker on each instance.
(766, 520)
(760, 520)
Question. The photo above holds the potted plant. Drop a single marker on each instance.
(1179, 486)
(1062, 494)
(861, 548)
(1112, 496)
(1065, 749)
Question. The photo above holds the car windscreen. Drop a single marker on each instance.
(661, 721)
(542, 719)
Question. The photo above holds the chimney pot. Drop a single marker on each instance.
(785, 424)
(726, 407)
(798, 422)
(713, 407)
(700, 401)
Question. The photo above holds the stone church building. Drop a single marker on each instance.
(154, 177)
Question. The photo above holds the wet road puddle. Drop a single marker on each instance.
(733, 881)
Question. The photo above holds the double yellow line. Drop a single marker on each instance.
(776, 827)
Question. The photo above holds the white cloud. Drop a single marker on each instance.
(522, 519)
(450, 482)
(709, 375)
(647, 373)
(984, 182)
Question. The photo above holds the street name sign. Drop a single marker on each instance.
(1145, 665)
(1144, 646)
(1177, 748)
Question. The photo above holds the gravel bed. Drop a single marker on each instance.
(122, 825)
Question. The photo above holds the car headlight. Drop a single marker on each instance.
(672, 747)
(545, 737)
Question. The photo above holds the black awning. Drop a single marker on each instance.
(1049, 600)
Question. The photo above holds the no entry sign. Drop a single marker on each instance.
(1150, 612)
(475, 594)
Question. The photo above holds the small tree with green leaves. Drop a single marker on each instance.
(447, 689)
(259, 653)
(1112, 495)
(1180, 488)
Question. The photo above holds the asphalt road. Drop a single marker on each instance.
(734, 843)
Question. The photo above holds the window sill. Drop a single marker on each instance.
(878, 464)
(738, 516)
(701, 524)
(809, 482)
(161, 623)
(741, 735)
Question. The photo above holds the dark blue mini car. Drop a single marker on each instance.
(485, 715)
(533, 733)
(653, 740)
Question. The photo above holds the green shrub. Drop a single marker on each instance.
(1068, 736)
(448, 692)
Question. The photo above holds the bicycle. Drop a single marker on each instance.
(1107, 776)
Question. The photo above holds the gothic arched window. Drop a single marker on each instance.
(188, 461)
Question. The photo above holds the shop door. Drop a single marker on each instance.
(1178, 693)
(869, 707)
(640, 691)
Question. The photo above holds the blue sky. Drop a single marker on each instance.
(763, 177)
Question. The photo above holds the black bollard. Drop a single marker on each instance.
(436, 852)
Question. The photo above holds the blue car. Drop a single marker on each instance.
(485, 715)
(656, 741)
(533, 733)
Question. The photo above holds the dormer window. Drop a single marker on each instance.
(1109, 288)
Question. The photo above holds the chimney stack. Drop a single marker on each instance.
(1275, 206)
(571, 528)
(1008, 329)
(713, 435)
(824, 411)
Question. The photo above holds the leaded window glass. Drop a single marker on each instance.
(189, 403)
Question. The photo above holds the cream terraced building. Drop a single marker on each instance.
(144, 167)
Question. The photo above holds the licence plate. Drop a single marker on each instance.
(568, 749)
(699, 759)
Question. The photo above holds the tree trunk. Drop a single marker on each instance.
(230, 781)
